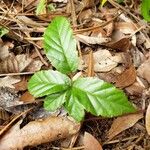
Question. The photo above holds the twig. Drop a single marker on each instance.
(96, 27)
(40, 56)
(11, 122)
(117, 141)
(16, 74)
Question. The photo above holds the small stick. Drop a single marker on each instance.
(16, 74)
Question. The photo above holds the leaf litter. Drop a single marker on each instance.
(119, 53)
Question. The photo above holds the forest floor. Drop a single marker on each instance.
(113, 44)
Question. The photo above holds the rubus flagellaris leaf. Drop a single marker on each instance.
(60, 45)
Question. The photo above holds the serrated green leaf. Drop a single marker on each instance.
(60, 46)
(73, 107)
(48, 82)
(41, 7)
(101, 98)
(145, 9)
(54, 101)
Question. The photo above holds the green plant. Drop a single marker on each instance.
(3, 31)
(41, 7)
(76, 96)
(145, 9)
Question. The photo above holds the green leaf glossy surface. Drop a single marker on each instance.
(54, 101)
(48, 82)
(73, 107)
(145, 9)
(101, 98)
(60, 45)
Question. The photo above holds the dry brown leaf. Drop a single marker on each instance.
(144, 70)
(125, 27)
(34, 66)
(91, 39)
(90, 142)
(23, 61)
(147, 119)
(38, 132)
(122, 123)
(22, 85)
(8, 98)
(9, 65)
(135, 89)
(85, 16)
(126, 78)
(109, 15)
(104, 61)
(121, 45)
(27, 97)
(8, 81)
(4, 49)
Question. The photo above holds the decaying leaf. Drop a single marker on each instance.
(4, 49)
(135, 89)
(120, 45)
(147, 119)
(34, 66)
(122, 123)
(104, 61)
(38, 132)
(8, 98)
(85, 16)
(92, 40)
(8, 81)
(126, 78)
(90, 142)
(22, 85)
(13, 64)
(144, 70)
(27, 97)
(9, 65)
(23, 61)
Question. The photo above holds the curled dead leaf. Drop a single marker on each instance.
(122, 123)
(90, 142)
(9, 65)
(27, 97)
(38, 132)
(126, 78)
(121, 45)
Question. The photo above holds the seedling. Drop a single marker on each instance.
(77, 96)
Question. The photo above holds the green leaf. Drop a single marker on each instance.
(48, 82)
(3, 31)
(54, 101)
(74, 108)
(60, 46)
(41, 7)
(101, 98)
(103, 2)
(51, 7)
(145, 9)
(120, 1)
